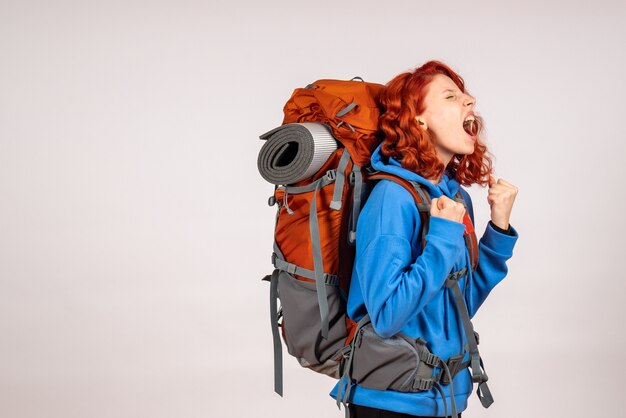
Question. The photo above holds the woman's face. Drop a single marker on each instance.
(446, 108)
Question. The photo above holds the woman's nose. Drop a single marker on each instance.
(469, 100)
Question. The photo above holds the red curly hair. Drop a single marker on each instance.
(402, 100)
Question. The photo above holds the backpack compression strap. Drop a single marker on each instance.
(476, 362)
(321, 278)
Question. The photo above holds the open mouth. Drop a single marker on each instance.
(471, 127)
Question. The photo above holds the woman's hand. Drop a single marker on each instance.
(444, 207)
(501, 197)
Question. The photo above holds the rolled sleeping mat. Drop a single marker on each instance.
(295, 151)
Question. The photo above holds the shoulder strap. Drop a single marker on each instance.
(421, 197)
(470, 234)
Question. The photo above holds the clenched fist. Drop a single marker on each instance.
(501, 197)
(444, 207)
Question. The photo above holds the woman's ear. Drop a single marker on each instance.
(421, 122)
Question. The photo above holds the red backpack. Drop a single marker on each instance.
(316, 219)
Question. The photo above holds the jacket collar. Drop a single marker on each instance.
(446, 186)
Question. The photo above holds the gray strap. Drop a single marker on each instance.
(318, 263)
(423, 207)
(347, 366)
(341, 176)
(356, 201)
(483, 392)
(329, 279)
(349, 126)
(469, 238)
(328, 178)
(278, 348)
(345, 398)
(445, 405)
(447, 372)
(346, 110)
(285, 203)
(478, 375)
(424, 374)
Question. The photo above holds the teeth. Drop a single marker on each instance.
(469, 118)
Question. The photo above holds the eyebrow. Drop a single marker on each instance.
(450, 90)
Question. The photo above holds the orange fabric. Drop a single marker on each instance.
(293, 234)
(326, 98)
(351, 328)
(469, 227)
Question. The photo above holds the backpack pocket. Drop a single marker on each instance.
(384, 363)
(302, 326)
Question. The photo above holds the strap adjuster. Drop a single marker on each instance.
(430, 359)
(331, 279)
(455, 276)
(480, 378)
(331, 174)
(371, 170)
(423, 384)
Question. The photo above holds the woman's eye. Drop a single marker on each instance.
(449, 97)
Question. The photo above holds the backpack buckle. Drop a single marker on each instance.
(423, 384)
(430, 359)
(331, 174)
(480, 378)
(370, 170)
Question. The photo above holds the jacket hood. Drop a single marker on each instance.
(447, 186)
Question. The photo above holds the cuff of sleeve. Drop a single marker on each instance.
(502, 231)
(500, 242)
(446, 229)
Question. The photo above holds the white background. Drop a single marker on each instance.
(134, 228)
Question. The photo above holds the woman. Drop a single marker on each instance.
(430, 138)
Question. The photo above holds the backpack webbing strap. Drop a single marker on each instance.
(316, 245)
(478, 374)
(437, 386)
(341, 176)
(357, 180)
(318, 264)
(423, 205)
(278, 348)
(346, 371)
(343, 111)
(422, 199)
(327, 179)
(346, 110)
(471, 241)
(424, 379)
(329, 279)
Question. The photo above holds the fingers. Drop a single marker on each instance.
(448, 208)
(506, 183)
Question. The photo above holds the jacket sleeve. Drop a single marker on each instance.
(395, 285)
(494, 250)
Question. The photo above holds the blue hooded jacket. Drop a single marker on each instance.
(402, 288)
